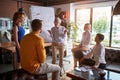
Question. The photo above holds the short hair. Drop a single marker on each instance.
(100, 36)
(36, 24)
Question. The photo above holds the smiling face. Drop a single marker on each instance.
(57, 22)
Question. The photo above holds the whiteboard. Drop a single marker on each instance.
(47, 15)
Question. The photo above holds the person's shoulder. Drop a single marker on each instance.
(27, 35)
(40, 39)
(101, 45)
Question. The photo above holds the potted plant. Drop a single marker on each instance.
(72, 30)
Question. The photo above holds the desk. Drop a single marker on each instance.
(10, 47)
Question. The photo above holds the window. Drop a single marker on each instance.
(116, 31)
(100, 18)
(82, 17)
(101, 23)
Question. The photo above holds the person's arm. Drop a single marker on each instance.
(41, 53)
(89, 55)
(15, 36)
(63, 32)
(88, 38)
(80, 45)
(51, 32)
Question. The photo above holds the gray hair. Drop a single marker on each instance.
(57, 19)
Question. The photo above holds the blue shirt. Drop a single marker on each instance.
(21, 33)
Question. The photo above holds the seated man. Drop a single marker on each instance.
(98, 55)
(33, 55)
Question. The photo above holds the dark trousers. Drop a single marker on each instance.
(102, 66)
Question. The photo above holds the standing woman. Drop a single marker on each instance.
(18, 33)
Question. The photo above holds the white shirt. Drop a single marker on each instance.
(58, 35)
(98, 54)
(86, 39)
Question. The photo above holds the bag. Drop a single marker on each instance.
(88, 62)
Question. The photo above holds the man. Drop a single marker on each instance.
(33, 55)
(58, 34)
(98, 52)
(98, 55)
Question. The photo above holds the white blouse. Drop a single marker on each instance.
(98, 54)
(86, 39)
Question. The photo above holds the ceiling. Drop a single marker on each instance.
(57, 2)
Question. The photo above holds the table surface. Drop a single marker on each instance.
(11, 45)
(80, 75)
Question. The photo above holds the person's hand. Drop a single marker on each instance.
(80, 45)
(94, 67)
(49, 31)
(65, 31)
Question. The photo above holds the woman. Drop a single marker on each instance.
(84, 44)
(18, 32)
